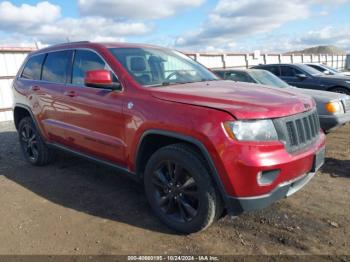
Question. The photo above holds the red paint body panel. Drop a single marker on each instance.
(99, 122)
(236, 99)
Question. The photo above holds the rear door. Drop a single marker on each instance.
(45, 76)
(95, 123)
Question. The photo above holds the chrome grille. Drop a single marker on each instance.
(298, 131)
(346, 103)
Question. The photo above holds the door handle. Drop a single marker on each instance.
(70, 93)
(35, 88)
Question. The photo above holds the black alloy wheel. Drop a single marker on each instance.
(176, 191)
(29, 142)
(180, 190)
(33, 146)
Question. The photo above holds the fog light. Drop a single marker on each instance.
(267, 177)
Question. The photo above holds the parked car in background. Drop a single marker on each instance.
(327, 69)
(304, 76)
(201, 146)
(333, 108)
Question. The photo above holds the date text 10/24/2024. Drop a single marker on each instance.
(173, 258)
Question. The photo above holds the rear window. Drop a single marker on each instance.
(32, 69)
(55, 67)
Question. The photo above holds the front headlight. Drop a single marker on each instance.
(334, 107)
(252, 130)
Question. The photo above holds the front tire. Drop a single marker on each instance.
(33, 146)
(179, 189)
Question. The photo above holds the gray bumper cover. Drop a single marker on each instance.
(281, 191)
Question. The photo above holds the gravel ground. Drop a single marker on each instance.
(76, 207)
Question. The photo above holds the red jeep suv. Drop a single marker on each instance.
(201, 146)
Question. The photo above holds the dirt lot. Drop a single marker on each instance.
(75, 207)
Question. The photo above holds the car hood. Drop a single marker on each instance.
(242, 100)
(318, 95)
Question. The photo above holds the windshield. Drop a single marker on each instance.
(310, 70)
(266, 78)
(331, 69)
(154, 67)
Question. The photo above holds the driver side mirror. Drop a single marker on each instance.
(301, 76)
(101, 78)
(326, 72)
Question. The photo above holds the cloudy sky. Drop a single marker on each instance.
(198, 25)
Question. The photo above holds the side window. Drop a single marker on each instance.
(237, 76)
(287, 71)
(85, 60)
(317, 67)
(220, 74)
(32, 69)
(274, 70)
(298, 72)
(55, 67)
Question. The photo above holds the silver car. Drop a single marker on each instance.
(333, 108)
(327, 69)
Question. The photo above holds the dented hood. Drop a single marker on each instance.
(242, 100)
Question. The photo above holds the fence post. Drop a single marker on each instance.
(265, 58)
(197, 56)
(292, 58)
(246, 60)
(223, 58)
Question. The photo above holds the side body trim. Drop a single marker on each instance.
(96, 160)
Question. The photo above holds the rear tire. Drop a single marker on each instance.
(33, 146)
(180, 190)
(341, 90)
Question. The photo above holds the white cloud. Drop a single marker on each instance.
(339, 36)
(88, 28)
(25, 16)
(135, 9)
(234, 19)
(43, 22)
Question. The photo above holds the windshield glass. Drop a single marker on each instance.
(310, 70)
(154, 67)
(331, 69)
(266, 78)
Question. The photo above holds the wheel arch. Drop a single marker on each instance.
(152, 140)
(338, 86)
(19, 112)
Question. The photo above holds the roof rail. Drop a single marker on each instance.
(70, 43)
(77, 42)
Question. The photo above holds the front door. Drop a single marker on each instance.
(95, 123)
(293, 77)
